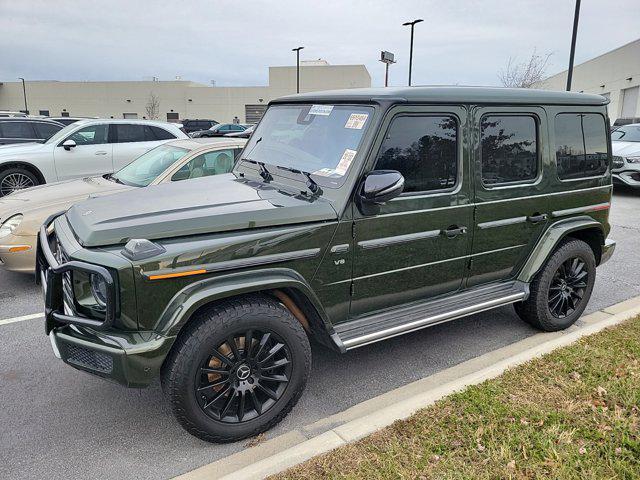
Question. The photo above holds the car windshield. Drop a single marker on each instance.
(147, 167)
(626, 133)
(320, 139)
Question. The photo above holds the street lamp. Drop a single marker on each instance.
(24, 93)
(576, 15)
(297, 50)
(387, 58)
(406, 24)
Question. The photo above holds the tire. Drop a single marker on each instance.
(16, 178)
(245, 394)
(556, 287)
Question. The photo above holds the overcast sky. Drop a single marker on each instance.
(234, 42)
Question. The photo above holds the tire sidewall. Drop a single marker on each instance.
(5, 173)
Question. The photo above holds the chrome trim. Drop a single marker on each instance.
(409, 237)
(502, 223)
(342, 248)
(584, 209)
(428, 321)
(564, 192)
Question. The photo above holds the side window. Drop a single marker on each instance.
(206, 164)
(46, 130)
(91, 135)
(160, 134)
(126, 133)
(424, 150)
(581, 145)
(509, 146)
(17, 130)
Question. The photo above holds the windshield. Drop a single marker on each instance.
(320, 139)
(146, 168)
(627, 133)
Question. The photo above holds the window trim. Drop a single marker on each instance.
(427, 193)
(539, 169)
(607, 128)
(87, 126)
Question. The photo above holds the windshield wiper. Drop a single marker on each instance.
(311, 183)
(264, 171)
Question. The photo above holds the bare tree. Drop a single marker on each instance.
(153, 106)
(525, 74)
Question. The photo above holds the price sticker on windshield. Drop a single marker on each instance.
(356, 120)
(345, 161)
(321, 110)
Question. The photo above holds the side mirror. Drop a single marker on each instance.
(68, 144)
(378, 187)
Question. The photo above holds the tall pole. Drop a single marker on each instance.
(412, 24)
(386, 75)
(297, 50)
(24, 94)
(576, 15)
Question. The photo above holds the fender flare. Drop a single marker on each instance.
(550, 239)
(193, 296)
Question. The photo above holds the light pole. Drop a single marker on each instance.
(573, 45)
(24, 93)
(387, 58)
(412, 24)
(297, 50)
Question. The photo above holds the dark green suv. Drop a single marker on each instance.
(352, 216)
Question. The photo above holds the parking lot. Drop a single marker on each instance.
(61, 423)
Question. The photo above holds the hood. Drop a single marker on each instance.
(625, 149)
(211, 204)
(21, 148)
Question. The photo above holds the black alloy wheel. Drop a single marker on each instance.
(567, 287)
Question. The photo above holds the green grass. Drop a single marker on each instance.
(572, 414)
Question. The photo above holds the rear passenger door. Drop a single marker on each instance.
(416, 247)
(512, 208)
(131, 140)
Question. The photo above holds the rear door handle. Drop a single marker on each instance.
(453, 231)
(537, 218)
(101, 153)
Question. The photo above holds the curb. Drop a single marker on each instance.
(292, 448)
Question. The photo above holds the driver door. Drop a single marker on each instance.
(91, 156)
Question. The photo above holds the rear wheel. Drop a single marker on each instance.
(238, 369)
(16, 178)
(561, 290)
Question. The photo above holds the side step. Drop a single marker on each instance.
(391, 323)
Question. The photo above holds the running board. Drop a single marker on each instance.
(380, 326)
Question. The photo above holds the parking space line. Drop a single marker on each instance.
(33, 316)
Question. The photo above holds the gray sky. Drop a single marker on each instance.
(233, 42)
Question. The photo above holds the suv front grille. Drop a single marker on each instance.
(83, 357)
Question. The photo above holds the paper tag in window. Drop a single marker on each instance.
(321, 110)
(325, 172)
(356, 120)
(345, 161)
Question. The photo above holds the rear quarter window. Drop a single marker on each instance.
(581, 145)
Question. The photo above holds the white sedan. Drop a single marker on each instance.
(625, 143)
(83, 149)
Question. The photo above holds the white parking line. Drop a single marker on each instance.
(33, 316)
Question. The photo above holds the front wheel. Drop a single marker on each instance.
(238, 369)
(16, 178)
(561, 290)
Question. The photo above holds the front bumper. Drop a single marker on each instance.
(630, 178)
(607, 250)
(18, 253)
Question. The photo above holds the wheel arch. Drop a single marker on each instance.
(27, 166)
(582, 228)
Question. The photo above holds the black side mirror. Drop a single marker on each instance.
(378, 187)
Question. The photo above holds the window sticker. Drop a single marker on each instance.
(345, 161)
(356, 120)
(327, 172)
(321, 110)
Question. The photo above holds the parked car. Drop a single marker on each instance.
(9, 113)
(70, 120)
(22, 213)
(82, 149)
(625, 144)
(625, 121)
(197, 125)
(351, 217)
(244, 134)
(27, 130)
(219, 130)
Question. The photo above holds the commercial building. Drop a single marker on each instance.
(177, 99)
(615, 75)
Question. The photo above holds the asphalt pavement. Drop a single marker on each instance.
(59, 423)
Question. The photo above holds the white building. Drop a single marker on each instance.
(178, 99)
(615, 75)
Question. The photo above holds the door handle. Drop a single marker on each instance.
(101, 153)
(454, 231)
(537, 218)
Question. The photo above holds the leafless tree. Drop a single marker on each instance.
(525, 74)
(153, 106)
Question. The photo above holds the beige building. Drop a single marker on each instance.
(615, 74)
(177, 99)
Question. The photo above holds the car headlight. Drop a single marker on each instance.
(99, 289)
(633, 159)
(618, 162)
(9, 226)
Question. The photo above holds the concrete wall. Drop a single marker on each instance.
(610, 73)
(188, 99)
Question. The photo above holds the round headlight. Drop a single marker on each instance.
(10, 225)
(99, 289)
